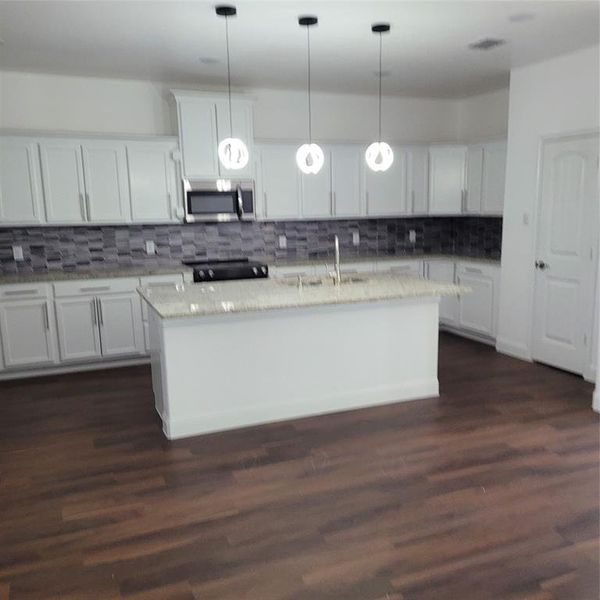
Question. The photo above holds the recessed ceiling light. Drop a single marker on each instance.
(521, 17)
(486, 43)
(209, 60)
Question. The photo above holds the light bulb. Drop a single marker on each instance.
(379, 156)
(233, 153)
(310, 158)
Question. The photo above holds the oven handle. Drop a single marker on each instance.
(240, 203)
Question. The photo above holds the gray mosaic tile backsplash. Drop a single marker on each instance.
(70, 248)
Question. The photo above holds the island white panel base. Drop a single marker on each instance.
(213, 373)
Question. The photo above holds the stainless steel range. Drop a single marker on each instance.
(222, 270)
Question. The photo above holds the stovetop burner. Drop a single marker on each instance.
(233, 268)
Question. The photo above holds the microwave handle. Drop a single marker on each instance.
(240, 203)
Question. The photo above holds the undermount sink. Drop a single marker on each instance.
(322, 281)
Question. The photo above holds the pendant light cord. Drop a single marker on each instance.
(229, 76)
(309, 107)
(380, 46)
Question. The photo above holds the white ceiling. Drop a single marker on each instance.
(425, 52)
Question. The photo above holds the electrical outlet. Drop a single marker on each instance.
(282, 242)
(525, 218)
(355, 238)
(412, 236)
(150, 247)
(18, 253)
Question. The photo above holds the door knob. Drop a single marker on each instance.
(540, 264)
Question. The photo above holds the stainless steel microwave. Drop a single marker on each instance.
(218, 200)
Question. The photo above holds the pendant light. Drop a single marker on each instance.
(379, 155)
(233, 153)
(309, 157)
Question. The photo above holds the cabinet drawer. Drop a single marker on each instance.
(93, 287)
(20, 291)
(300, 270)
(409, 267)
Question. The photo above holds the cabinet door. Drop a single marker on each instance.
(444, 271)
(477, 308)
(20, 182)
(27, 333)
(386, 190)
(280, 178)
(346, 184)
(474, 179)
(121, 330)
(106, 185)
(198, 136)
(77, 326)
(446, 180)
(418, 180)
(152, 181)
(62, 176)
(494, 171)
(241, 113)
(315, 191)
(401, 267)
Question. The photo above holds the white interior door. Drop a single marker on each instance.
(566, 252)
(106, 185)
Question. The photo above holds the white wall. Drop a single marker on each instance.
(553, 97)
(483, 117)
(82, 104)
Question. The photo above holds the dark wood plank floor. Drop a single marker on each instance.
(489, 492)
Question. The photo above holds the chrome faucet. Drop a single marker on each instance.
(337, 275)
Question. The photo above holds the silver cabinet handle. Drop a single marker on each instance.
(94, 315)
(412, 196)
(46, 317)
(265, 209)
(87, 206)
(98, 288)
(473, 270)
(334, 203)
(367, 199)
(20, 292)
(100, 313)
(82, 207)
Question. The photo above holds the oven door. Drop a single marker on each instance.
(204, 202)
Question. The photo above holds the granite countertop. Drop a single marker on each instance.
(285, 262)
(103, 273)
(277, 293)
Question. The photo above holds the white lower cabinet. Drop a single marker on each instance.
(27, 326)
(444, 271)
(78, 332)
(121, 329)
(478, 309)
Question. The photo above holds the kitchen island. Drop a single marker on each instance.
(231, 354)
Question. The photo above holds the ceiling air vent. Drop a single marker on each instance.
(486, 43)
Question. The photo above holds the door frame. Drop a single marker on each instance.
(546, 139)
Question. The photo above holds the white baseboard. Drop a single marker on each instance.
(254, 415)
(476, 337)
(596, 399)
(516, 350)
(73, 368)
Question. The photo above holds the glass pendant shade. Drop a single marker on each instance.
(310, 158)
(379, 156)
(233, 153)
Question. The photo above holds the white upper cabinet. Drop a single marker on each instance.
(203, 123)
(417, 169)
(386, 190)
(62, 175)
(315, 191)
(279, 181)
(21, 197)
(153, 182)
(346, 185)
(494, 172)
(106, 181)
(446, 179)
(474, 179)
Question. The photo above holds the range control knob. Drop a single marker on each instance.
(263, 270)
(255, 270)
(211, 273)
(201, 274)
